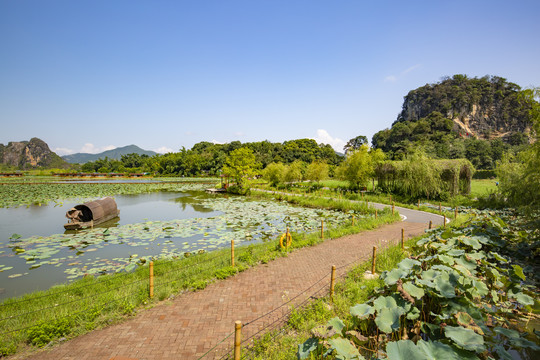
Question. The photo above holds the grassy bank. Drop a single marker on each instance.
(346, 324)
(69, 310)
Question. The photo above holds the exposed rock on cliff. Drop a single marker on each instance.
(485, 108)
(29, 155)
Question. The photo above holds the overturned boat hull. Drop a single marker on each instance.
(91, 213)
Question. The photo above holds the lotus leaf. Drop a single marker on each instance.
(413, 290)
(307, 347)
(362, 311)
(523, 299)
(387, 319)
(392, 276)
(413, 314)
(384, 302)
(345, 349)
(465, 338)
(437, 350)
(336, 324)
(404, 350)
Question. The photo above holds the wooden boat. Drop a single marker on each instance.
(91, 213)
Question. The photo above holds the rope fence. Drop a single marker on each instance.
(19, 315)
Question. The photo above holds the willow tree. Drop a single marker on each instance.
(357, 168)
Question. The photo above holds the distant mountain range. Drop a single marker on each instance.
(81, 158)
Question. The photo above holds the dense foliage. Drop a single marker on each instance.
(520, 174)
(490, 106)
(456, 299)
(209, 158)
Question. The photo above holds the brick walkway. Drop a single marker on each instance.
(191, 324)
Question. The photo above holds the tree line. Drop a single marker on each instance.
(206, 158)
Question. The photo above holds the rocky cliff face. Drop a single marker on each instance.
(485, 108)
(30, 154)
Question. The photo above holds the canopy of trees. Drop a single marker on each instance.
(209, 158)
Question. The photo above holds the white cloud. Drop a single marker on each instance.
(414, 67)
(63, 151)
(324, 137)
(394, 78)
(163, 150)
(217, 142)
(92, 149)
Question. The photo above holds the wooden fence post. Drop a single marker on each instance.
(440, 207)
(393, 208)
(402, 239)
(353, 220)
(322, 229)
(151, 279)
(332, 282)
(419, 203)
(237, 339)
(232, 253)
(430, 224)
(374, 260)
(444, 223)
(375, 213)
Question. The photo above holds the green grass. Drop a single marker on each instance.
(282, 343)
(90, 303)
(483, 187)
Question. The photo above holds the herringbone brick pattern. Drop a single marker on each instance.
(193, 323)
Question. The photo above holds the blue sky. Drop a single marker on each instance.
(91, 75)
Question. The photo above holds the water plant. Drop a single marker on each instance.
(458, 298)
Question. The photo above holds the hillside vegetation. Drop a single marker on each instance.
(460, 117)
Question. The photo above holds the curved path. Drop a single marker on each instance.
(193, 323)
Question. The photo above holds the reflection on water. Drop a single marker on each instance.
(49, 219)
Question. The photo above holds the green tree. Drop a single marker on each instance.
(293, 172)
(355, 143)
(357, 168)
(274, 173)
(317, 171)
(241, 165)
(519, 176)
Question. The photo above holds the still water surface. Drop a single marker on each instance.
(49, 219)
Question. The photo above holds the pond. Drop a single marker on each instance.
(36, 252)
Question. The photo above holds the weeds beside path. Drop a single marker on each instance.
(193, 323)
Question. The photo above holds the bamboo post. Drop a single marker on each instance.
(393, 208)
(287, 240)
(402, 239)
(455, 213)
(374, 260)
(232, 253)
(390, 197)
(419, 203)
(375, 213)
(332, 281)
(430, 224)
(362, 194)
(151, 279)
(322, 229)
(237, 339)
(444, 223)
(440, 207)
(353, 220)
